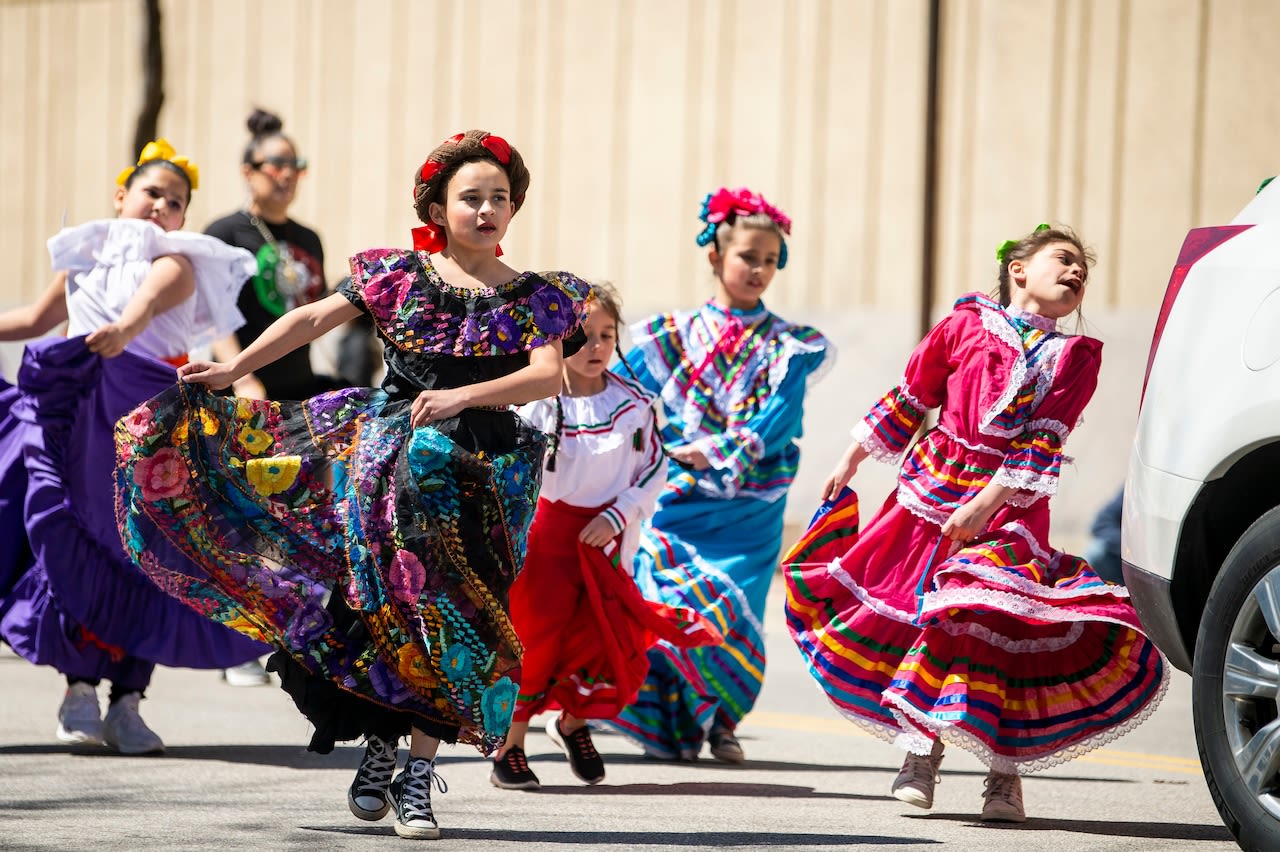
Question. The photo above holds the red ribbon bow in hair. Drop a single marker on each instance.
(498, 147)
(429, 238)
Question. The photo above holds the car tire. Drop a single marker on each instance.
(1234, 636)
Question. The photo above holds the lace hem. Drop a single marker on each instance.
(864, 597)
(1043, 484)
(1014, 646)
(908, 500)
(1024, 499)
(910, 716)
(863, 434)
(1012, 604)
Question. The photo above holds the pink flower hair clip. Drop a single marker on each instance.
(724, 203)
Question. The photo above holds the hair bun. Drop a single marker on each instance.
(263, 123)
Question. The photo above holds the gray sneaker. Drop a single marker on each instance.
(917, 778)
(124, 730)
(80, 716)
(1002, 798)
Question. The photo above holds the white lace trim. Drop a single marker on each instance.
(999, 328)
(863, 434)
(1022, 479)
(836, 570)
(1024, 499)
(1051, 561)
(1049, 424)
(908, 500)
(1011, 603)
(1019, 529)
(1046, 369)
(1014, 646)
(908, 715)
(1032, 319)
(793, 347)
(977, 448)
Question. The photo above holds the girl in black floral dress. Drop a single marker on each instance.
(372, 535)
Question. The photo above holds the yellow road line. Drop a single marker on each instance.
(1103, 756)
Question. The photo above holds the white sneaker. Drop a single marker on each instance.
(246, 674)
(126, 732)
(80, 717)
(917, 778)
(1002, 799)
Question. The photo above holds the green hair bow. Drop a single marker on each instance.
(1002, 250)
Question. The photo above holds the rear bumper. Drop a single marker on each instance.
(1152, 598)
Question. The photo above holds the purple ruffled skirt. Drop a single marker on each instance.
(69, 596)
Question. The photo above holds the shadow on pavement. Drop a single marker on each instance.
(632, 758)
(713, 840)
(1105, 828)
(704, 788)
(293, 756)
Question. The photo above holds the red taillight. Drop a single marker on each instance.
(1198, 243)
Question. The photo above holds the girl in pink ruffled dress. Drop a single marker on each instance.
(950, 618)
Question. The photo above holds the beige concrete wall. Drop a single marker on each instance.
(1133, 120)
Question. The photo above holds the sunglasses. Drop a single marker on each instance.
(298, 164)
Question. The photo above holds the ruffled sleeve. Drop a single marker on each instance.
(220, 270)
(887, 429)
(1033, 461)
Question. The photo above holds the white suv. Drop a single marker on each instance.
(1201, 540)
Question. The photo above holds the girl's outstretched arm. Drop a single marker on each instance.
(844, 470)
(248, 385)
(299, 326)
(40, 316)
(169, 283)
(540, 379)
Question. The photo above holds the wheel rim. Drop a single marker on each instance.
(1250, 686)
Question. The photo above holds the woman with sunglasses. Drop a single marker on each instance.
(290, 260)
(290, 273)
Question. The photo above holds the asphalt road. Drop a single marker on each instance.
(237, 775)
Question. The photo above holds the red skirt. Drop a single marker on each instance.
(585, 627)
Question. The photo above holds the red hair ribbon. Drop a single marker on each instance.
(498, 147)
(431, 239)
(430, 169)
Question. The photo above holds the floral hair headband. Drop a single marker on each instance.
(431, 237)
(718, 206)
(1002, 250)
(160, 149)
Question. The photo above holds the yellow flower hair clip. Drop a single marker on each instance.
(162, 150)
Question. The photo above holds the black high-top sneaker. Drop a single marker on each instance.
(367, 797)
(411, 792)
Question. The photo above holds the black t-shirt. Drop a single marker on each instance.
(290, 274)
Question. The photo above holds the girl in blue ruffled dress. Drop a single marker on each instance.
(732, 377)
